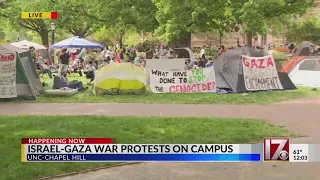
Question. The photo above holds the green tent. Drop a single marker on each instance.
(27, 83)
(279, 56)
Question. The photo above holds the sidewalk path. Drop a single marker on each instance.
(299, 116)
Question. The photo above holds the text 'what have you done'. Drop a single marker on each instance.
(194, 80)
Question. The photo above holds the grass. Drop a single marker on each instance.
(125, 130)
(193, 98)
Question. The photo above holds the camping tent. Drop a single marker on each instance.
(77, 42)
(229, 71)
(282, 49)
(185, 53)
(28, 85)
(278, 56)
(303, 49)
(120, 78)
(304, 71)
(288, 66)
(24, 44)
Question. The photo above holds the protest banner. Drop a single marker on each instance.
(197, 80)
(8, 76)
(164, 64)
(260, 73)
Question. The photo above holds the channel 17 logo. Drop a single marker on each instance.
(276, 149)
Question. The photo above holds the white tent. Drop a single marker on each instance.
(306, 72)
(27, 44)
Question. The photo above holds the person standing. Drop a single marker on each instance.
(221, 50)
(58, 54)
(203, 53)
(132, 54)
(163, 52)
(64, 62)
(121, 54)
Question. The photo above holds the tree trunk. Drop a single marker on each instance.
(220, 40)
(121, 40)
(249, 39)
(44, 37)
(185, 39)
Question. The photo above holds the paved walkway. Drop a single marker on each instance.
(300, 116)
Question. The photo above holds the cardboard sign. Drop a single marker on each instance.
(198, 80)
(260, 73)
(164, 64)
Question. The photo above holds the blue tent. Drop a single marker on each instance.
(77, 42)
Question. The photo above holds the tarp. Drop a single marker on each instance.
(77, 42)
(27, 44)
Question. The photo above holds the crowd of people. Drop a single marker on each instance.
(86, 61)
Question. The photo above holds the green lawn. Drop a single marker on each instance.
(124, 129)
(198, 98)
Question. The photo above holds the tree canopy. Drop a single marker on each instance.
(181, 18)
(72, 19)
(304, 30)
(12, 11)
(170, 20)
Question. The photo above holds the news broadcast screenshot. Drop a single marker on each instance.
(159, 90)
(106, 150)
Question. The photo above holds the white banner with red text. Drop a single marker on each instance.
(260, 73)
(198, 80)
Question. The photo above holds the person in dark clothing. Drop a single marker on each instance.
(64, 61)
(33, 53)
(96, 58)
(89, 70)
(65, 83)
(121, 54)
(132, 54)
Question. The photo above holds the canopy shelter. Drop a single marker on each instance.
(77, 42)
(27, 44)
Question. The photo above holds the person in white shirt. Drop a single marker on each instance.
(203, 53)
(108, 53)
(90, 71)
(103, 53)
(163, 52)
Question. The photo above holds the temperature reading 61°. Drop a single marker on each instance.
(297, 151)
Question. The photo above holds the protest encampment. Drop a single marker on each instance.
(103, 89)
